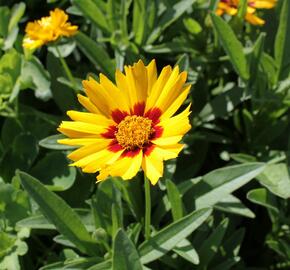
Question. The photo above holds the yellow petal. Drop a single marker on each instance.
(74, 133)
(92, 118)
(167, 140)
(152, 166)
(100, 157)
(82, 127)
(98, 95)
(78, 142)
(125, 167)
(88, 149)
(122, 84)
(158, 87)
(176, 125)
(140, 80)
(152, 75)
(107, 158)
(253, 19)
(171, 91)
(120, 97)
(168, 151)
(177, 103)
(87, 104)
(264, 4)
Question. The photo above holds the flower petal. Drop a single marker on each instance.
(152, 165)
(125, 167)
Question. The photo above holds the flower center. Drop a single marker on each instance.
(134, 131)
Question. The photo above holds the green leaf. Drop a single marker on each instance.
(233, 205)
(222, 105)
(213, 5)
(139, 21)
(170, 16)
(282, 40)
(16, 13)
(40, 222)
(166, 239)
(276, 179)
(175, 200)
(51, 143)
(59, 213)
(6, 244)
(96, 54)
(102, 266)
(91, 10)
(54, 172)
(255, 60)
(187, 251)
(36, 77)
(63, 96)
(4, 20)
(210, 246)
(125, 255)
(242, 9)
(262, 197)
(232, 46)
(144, 13)
(217, 184)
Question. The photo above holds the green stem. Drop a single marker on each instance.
(147, 207)
(66, 69)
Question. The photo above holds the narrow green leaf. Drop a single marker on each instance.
(217, 184)
(170, 236)
(96, 54)
(282, 41)
(262, 197)
(242, 9)
(139, 21)
(59, 213)
(40, 222)
(187, 251)
(210, 246)
(227, 264)
(102, 266)
(233, 205)
(276, 179)
(171, 15)
(256, 55)
(213, 5)
(175, 200)
(16, 14)
(112, 11)
(125, 255)
(91, 10)
(232, 46)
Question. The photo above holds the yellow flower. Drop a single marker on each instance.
(48, 29)
(231, 7)
(131, 124)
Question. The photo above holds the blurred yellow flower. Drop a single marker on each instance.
(231, 7)
(48, 29)
(131, 124)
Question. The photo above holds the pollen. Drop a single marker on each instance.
(134, 132)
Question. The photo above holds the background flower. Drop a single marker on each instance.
(48, 29)
(231, 7)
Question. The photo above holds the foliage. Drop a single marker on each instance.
(223, 204)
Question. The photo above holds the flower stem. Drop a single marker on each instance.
(147, 207)
(66, 69)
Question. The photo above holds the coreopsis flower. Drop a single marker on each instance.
(48, 29)
(231, 7)
(129, 125)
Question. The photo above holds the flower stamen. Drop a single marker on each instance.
(134, 132)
